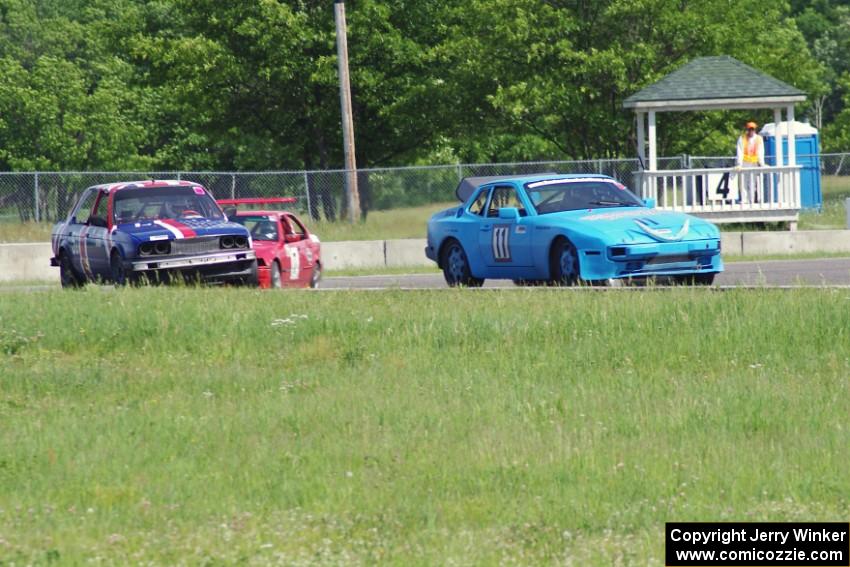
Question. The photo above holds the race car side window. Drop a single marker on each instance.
(83, 212)
(101, 207)
(297, 228)
(284, 222)
(504, 196)
(479, 205)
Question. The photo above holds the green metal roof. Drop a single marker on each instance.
(715, 82)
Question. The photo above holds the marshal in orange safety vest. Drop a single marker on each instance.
(750, 148)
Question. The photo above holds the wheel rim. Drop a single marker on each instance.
(317, 274)
(568, 264)
(275, 276)
(456, 263)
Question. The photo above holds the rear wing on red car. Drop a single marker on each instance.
(256, 201)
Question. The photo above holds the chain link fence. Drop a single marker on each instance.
(831, 165)
(47, 196)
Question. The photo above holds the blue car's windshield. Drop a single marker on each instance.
(154, 203)
(556, 195)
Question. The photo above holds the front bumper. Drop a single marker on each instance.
(215, 267)
(431, 254)
(658, 259)
(191, 262)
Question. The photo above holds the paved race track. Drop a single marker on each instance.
(832, 272)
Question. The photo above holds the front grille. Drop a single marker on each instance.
(195, 245)
(672, 259)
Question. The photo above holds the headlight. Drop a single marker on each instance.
(229, 242)
(160, 248)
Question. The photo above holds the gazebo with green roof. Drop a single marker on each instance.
(720, 83)
(712, 83)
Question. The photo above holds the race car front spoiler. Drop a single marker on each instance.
(693, 249)
(652, 259)
(198, 261)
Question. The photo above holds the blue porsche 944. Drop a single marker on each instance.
(566, 229)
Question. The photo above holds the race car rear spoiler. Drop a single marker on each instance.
(468, 185)
(256, 201)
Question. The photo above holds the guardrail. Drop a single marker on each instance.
(31, 262)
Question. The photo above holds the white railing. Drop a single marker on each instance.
(732, 194)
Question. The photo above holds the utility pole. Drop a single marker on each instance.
(347, 122)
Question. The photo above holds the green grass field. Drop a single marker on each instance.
(168, 425)
(411, 222)
(13, 231)
(835, 191)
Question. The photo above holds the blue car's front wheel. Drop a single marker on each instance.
(564, 268)
(117, 269)
(695, 279)
(456, 267)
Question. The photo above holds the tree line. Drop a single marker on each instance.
(252, 84)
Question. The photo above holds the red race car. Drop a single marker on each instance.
(288, 255)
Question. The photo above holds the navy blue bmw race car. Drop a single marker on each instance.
(151, 230)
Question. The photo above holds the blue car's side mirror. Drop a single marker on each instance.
(509, 213)
(650, 203)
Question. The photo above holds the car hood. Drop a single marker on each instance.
(636, 224)
(171, 229)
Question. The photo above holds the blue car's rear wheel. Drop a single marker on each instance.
(564, 267)
(456, 267)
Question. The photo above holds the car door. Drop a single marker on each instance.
(76, 231)
(505, 242)
(97, 237)
(293, 254)
(303, 245)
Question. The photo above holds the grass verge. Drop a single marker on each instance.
(224, 425)
(835, 190)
